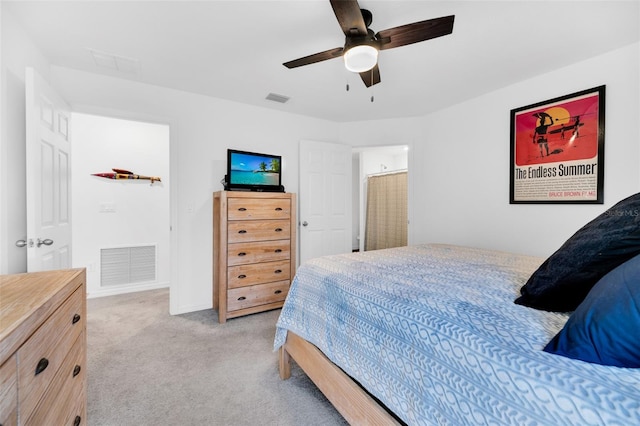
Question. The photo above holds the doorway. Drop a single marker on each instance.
(372, 161)
(121, 227)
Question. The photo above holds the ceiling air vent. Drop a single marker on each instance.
(114, 62)
(277, 98)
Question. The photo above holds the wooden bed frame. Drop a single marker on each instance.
(351, 401)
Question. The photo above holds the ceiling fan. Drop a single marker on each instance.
(361, 45)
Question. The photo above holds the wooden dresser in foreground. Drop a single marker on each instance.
(254, 251)
(43, 348)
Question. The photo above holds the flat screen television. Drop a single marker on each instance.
(252, 171)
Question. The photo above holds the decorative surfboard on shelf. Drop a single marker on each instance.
(126, 174)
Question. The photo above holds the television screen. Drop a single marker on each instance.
(253, 171)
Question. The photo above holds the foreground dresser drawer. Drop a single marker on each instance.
(60, 404)
(40, 358)
(43, 348)
(9, 392)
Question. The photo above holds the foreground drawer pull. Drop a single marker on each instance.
(242, 253)
(278, 229)
(75, 319)
(278, 209)
(278, 250)
(277, 271)
(241, 276)
(76, 370)
(277, 292)
(242, 298)
(42, 365)
(242, 209)
(77, 420)
(242, 231)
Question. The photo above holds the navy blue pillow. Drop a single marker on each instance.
(562, 282)
(604, 328)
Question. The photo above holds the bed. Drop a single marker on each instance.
(430, 334)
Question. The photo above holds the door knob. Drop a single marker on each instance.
(305, 223)
(23, 243)
(46, 242)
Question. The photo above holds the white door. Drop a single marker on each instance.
(48, 177)
(325, 199)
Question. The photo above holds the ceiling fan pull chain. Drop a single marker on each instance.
(372, 87)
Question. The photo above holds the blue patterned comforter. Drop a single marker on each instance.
(432, 332)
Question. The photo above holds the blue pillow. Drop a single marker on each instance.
(604, 328)
(562, 282)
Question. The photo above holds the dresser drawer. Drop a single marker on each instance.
(42, 355)
(264, 208)
(263, 251)
(60, 404)
(258, 273)
(9, 393)
(258, 230)
(246, 297)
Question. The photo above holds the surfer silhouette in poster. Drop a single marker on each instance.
(542, 135)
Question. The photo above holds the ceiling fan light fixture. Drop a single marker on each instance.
(361, 58)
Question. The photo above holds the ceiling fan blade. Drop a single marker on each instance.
(316, 57)
(371, 77)
(349, 17)
(416, 32)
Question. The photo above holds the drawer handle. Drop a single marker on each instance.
(241, 276)
(242, 231)
(242, 209)
(241, 298)
(42, 365)
(277, 271)
(278, 209)
(277, 292)
(75, 319)
(242, 253)
(76, 370)
(278, 229)
(278, 250)
(77, 420)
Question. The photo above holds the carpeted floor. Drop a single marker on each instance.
(146, 367)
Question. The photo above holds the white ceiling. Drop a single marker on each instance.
(235, 49)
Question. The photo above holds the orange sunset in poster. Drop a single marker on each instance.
(560, 132)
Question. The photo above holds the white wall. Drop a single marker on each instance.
(458, 180)
(202, 128)
(382, 161)
(17, 52)
(111, 213)
(459, 174)
(464, 170)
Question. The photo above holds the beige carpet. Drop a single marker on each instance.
(146, 367)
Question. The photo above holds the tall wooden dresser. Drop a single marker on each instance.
(254, 258)
(43, 348)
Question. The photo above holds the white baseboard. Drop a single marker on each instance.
(129, 288)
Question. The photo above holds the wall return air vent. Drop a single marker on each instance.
(127, 265)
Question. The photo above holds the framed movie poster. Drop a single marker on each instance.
(557, 150)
